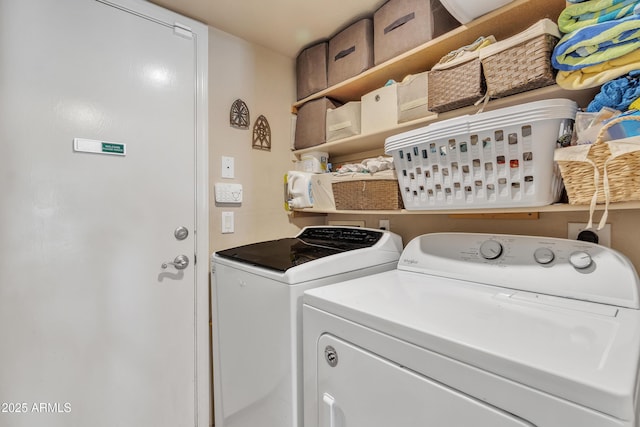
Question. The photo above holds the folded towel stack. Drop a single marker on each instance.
(587, 13)
(602, 42)
(370, 166)
(598, 43)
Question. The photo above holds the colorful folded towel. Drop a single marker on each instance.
(597, 44)
(618, 93)
(599, 74)
(593, 12)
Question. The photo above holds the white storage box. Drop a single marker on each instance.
(321, 186)
(344, 121)
(466, 11)
(314, 162)
(497, 159)
(413, 98)
(379, 109)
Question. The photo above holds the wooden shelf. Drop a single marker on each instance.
(502, 23)
(374, 143)
(555, 208)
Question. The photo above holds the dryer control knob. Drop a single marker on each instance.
(490, 249)
(543, 256)
(580, 260)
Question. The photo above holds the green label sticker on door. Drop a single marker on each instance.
(99, 147)
(111, 148)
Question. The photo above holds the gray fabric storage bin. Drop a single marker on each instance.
(311, 70)
(401, 25)
(350, 51)
(311, 124)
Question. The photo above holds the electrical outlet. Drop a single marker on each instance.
(604, 235)
(383, 224)
(228, 167)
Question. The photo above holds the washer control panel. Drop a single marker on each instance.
(552, 266)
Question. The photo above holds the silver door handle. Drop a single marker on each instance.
(180, 263)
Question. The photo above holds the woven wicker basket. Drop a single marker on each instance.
(603, 172)
(369, 194)
(456, 87)
(520, 68)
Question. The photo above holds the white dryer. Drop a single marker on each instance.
(257, 314)
(478, 330)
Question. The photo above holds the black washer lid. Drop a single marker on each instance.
(311, 244)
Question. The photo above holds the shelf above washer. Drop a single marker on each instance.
(555, 208)
(375, 142)
(501, 23)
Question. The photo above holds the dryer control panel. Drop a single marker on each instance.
(580, 259)
(551, 266)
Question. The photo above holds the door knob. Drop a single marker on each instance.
(180, 263)
(181, 233)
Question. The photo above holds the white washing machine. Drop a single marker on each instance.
(257, 313)
(478, 330)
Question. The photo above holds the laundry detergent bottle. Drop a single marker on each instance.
(298, 193)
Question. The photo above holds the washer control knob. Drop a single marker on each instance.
(543, 256)
(490, 249)
(580, 260)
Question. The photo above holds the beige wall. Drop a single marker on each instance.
(265, 81)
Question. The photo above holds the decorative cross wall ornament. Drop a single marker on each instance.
(239, 115)
(262, 134)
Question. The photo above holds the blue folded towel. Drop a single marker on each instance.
(617, 94)
(597, 44)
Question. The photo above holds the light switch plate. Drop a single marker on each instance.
(227, 222)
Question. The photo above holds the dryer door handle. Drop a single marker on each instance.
(330, 405)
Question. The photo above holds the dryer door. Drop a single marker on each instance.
(358, 388)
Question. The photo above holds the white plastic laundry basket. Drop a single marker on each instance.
(497, 159)
(466, 11)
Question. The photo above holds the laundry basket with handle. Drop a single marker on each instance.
(603, 172)
(496, 159)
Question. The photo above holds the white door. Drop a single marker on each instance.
(93, 331)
